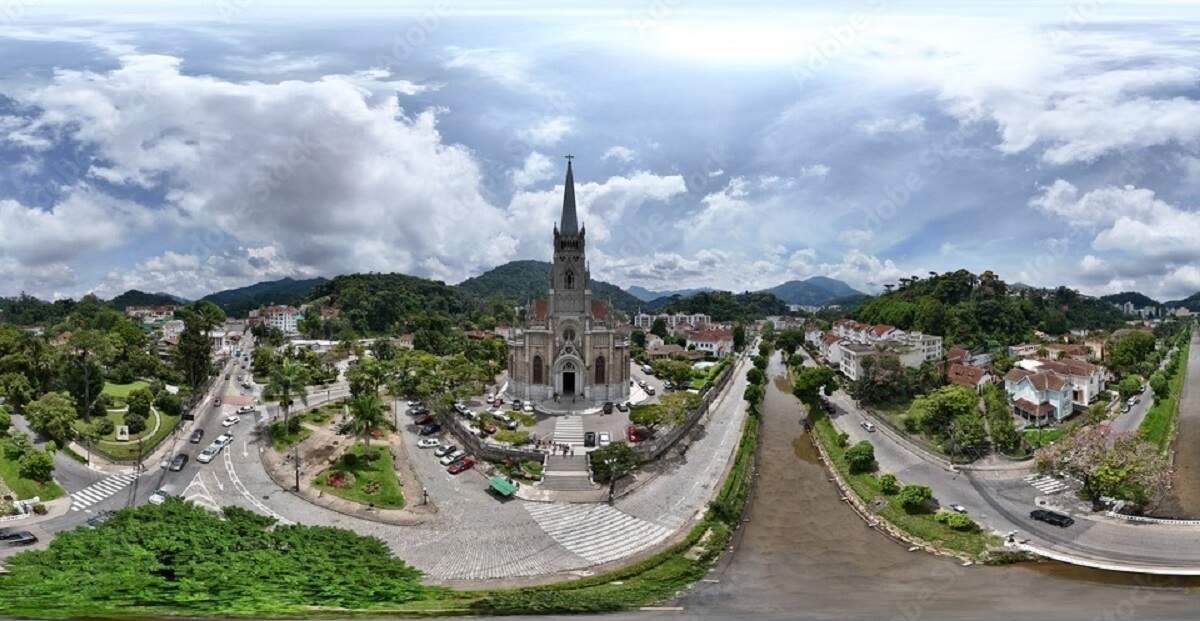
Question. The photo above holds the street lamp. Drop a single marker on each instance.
(612, 478)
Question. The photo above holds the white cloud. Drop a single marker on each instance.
(620, 153)
(891, 125)
(275, 63)
(505, 67)
(815, 170)
(537, 167)
(547, 132)
(856, 237)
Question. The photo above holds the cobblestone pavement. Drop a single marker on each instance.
(597, 532)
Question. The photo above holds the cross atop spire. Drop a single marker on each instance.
(569, 224)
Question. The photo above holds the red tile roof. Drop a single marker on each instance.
(541, 310)
(1042, 380)
(1039, 409)
(711, 335)
(964, 375)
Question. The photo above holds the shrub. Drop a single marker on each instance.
(957, 521)
(861, 457)
(5, 420)
(843, 439)
(888, 484)
(36, 466)
(105, 426)
(168, 403)
(39, 509)
(135, 422)
(915, 498)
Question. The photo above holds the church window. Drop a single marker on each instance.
(569, 280)
(537, 370)
(569, 335)
(600, 377)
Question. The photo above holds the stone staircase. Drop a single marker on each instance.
(567, 474)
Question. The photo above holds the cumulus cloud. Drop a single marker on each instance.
(548, 131)
(537, 168)
(891, 125)
(620, 153)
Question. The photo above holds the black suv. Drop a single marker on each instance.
(589, 438)
(1051, 517)
(608, 407)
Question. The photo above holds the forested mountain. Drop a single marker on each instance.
(981, 310)
(647, 295)
(26, 310)
(727, 306)
(133, 297)
(1139, 300)
(814, 291)
(521, 281)
(391, 303)
(238, 302)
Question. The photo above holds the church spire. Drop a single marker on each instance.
(568, 224)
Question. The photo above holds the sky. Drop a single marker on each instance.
(192, 147)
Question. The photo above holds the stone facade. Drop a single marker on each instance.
(569, 348)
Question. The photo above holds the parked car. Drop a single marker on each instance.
(98, 519)
(604, 439)
(423, 419)
(528, 408)
(516, 404)
(19, 538)
(231, 420)
(633, 434)
(958, 508)
(649, 390)
(488, 428)
(197, 436)
(445, 449)
(446, 460)
(224, 440)
(246, 409)
(430, 429)
(643, 384)
(1052, 517)
(589, 438)
(466, 463)
(608, 407)
(427, 442)
(159, 496)
(179, 462)
(209, 453)
(868, 425)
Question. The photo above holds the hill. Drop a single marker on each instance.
(1139, 300)
(390, 303)
(238, 302)
(815, 291)
(647, 295)
(521, 281)
(726, 306)
(982, 310)
(1191, 302)
(133, 297)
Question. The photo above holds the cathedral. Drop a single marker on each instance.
(569, 350)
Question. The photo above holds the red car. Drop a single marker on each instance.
(633, 434)
(466, 463)
(423, 419)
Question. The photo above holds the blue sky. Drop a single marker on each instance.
(234, 141)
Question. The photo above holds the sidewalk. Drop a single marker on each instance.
(55, 508)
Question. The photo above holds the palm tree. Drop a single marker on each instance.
(366, 413)
(287, 381)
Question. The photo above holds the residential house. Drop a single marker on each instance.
(972, 377)
(957, 355)
(404, 341)
(646, 321)
(1024, 350)
(830, 350)
(1040, 396)
(1086, 380)
(812, 335)
(653, 340)
(150, 314)
(929, 346)
(1073, 351)
(851, 361)
(284, 318)
(713, 341)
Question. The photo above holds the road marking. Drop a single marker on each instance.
(100, 491)
(596, 532)
(237, 484)
(1047, 485)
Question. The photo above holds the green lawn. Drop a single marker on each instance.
(526, 420)
(1159, 425)
(125, 451)
(118, 418)
(922, 525)
(1037, 438)
(282, 441)
(24, 488)
(122, 391)
(373, 481)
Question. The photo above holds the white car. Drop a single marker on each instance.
(427, 442)
(868, 425)
(246, 409)
(159, 496)
(210, 453)
(224, 440)
(451, 458)
(529, 408)
(231, 420)
(604, 439)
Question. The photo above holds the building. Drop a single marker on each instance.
(1024, 350)
(284, 318)
(830, 350)
(646, 321)
(404, 341)
(1086, 379)
(660, 351)
(812, 335)
(972, 377)
(928, 346)
(172, 328)
(1042, 397)
(850, 362)
(569, 348)
(1072, 351)
(150, 314)
(712, 341)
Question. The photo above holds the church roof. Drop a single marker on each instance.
(541, 310)
(599, 310)
(569, 224)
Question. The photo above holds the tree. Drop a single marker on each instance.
(677, 372)
(888, 484)
(16, 390)
(1131, 469)
(915, 498)
(638, 338)
(755, 376)
(135, 422)
(193, 354)
(5, 420)
(671, 410)
(52, 415)
(968, 435)
(935, 412)
(659, 327)
(366, 413)
(1160, 385)
(860, 457)
(612, 462)
(36, 466)
(368, 376)
(1130, 350)
(287, 382)
(86, 346)
(168, 403)
(1097, 412)
(139, 402)
(809, 382)
(1129, 386)
(739, 336)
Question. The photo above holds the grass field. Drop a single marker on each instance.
(282, 441)
(118, 418)
(121, 391)
(24, 488)
(1037, 438)
(1159, 425)
(922, 525)
(125, 451)
(374, 481)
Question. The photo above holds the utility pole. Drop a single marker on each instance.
(296, 462)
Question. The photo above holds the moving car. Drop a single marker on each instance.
(197, 436)
(649, 390)
(430, 429)
(224, 440)
(209, 453)
(623, 406)
(529, 408)
(451, 458)
(604, 439)
(608, 407)
(19, 538)
(427, 442)
(958, 508)
(1052, 517)
(589, 438)
(159, 496)
(217, 402)
(231, 420)
(179, 462)
(466, 463)
(868, 425)
(445, 449)
(246, 409)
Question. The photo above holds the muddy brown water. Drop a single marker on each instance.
(805, 555)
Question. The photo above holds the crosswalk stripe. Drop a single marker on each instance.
(597, 533)
(100, 491)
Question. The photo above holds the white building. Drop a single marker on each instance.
(284, 318)
(646, 321)
(1086, 380)
(713, 341)
(852, 357)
